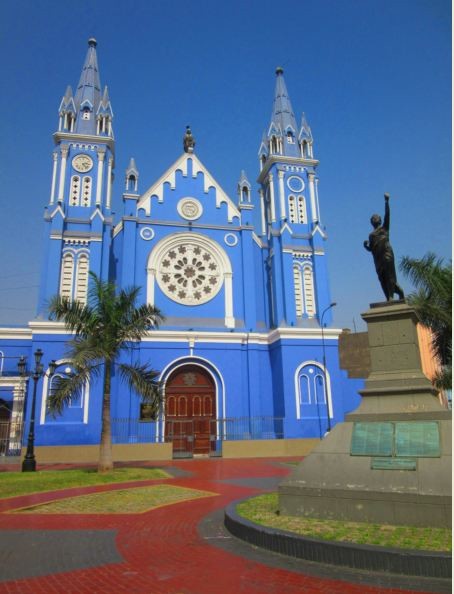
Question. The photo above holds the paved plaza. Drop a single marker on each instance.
(181, 548)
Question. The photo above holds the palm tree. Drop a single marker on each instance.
(433, 302)
(108, 324)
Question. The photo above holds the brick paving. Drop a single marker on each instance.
(176, 549)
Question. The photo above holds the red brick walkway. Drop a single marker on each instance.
(162, 549)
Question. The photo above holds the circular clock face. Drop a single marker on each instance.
(295, 183)
(82, 163)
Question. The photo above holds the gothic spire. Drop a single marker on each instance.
(283, 129)
(88, 93)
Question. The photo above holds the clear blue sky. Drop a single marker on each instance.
(372, 76)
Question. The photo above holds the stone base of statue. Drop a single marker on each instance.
(390, 461)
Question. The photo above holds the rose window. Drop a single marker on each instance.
(189, 273)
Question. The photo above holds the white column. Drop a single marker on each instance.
(54, 178)
(151, 275)
(312, 197)
(319, 218)
(272, 204)
(109, 182)
(282, 194)
(101, 156)
(262, 211)
(61, 187)
(229, 319)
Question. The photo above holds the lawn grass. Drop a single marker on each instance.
(263, 510)
(13, 484)
(122, 501)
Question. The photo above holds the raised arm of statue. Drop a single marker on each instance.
(387, 213)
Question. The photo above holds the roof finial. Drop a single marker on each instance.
(188, 141)
(279, 70)
(92, 42)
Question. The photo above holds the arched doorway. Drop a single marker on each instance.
(190, 411)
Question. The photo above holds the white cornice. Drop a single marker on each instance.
(227, 337)
(15, 333)
(92, 139)
(287, 160)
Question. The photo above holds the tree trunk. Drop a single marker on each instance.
(105, 462)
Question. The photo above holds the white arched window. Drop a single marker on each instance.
(82, 278)
(301, 206)
(308, 286)
(67, 276)
(86, 191)
(311, 392)
(292, 212)
(76, 410)
(298, 290)
(74, 194)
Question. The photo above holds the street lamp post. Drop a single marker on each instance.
(29, 462)
(324, 365)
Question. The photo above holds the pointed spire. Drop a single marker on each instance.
(132, 176)
(88, 93)
(282, 130)
(244, 189)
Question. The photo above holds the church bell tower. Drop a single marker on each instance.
(78, 217)
(291, 219)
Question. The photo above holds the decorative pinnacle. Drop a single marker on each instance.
(92, 42)
(279, 70)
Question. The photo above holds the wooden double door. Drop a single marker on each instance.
(190, 410)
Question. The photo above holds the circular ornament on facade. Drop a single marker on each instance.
(230, 239)
(147, 233)
(82, 163)
(189, 208)
(189, 273)
(295, 183)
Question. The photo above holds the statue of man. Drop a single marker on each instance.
(188, 141)
(383, 254)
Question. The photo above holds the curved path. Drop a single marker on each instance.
(176, 549)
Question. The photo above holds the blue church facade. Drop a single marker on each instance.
(246, 349)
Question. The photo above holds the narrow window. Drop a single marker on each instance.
(305, 389)
(298, 290)
(302, 218)
(292, 209)
(86, 191)
(74, 194)
(82, 279)
(67, 276)
(308, 282)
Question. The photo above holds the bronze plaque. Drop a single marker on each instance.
(393, 464)
(418, 438)
(372, 439)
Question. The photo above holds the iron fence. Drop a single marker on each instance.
(10, 437)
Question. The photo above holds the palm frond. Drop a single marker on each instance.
(65, 388)
(143, 380)
(77, 317)
(139, 321)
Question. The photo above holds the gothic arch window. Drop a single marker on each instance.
(67, 275)
(74, 194)
(292, 209)
(82, 279)
(131, 183)
(86, 190)
(301, 209)
(86, 113)
(297, 279)
(245, 196)
(311, 392)
(76, 410)
(308, 289)
(290, 137)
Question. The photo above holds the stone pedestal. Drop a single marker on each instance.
(390, 461)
